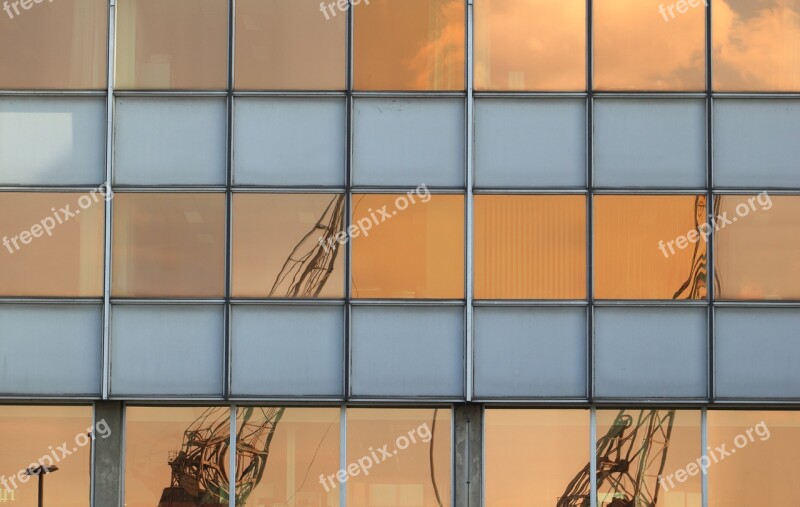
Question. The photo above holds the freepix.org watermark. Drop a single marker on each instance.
(57, 455)
(16, 4)
(719, 222)
(48, 224)
(682, 6)
(376, 217)
(342, 5)
(703, 463)
(363, 464)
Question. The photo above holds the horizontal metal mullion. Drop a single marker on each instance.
(171, 93)
(530, 302)
(286, 301)
(166, 301)
(530, 191)
(291, 93)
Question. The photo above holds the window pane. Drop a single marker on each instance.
(418, 445)
(655, 443)
(287, 445)
(169, 245)
(756, 45)
(289, 45)
(559, 440)
(418, 252)
(52, 140)
(54, 45)
(530, 246)
(52, 244)
(644, 250)
(29, 435)
(758, 256)
(177, 456)
(284, 245)
(179, 44)
(764, 469)
(530, 45)
(409, 45)
(645, 45)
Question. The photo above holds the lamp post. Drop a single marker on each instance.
(41, 471)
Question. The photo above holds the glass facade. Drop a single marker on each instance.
(399, 253)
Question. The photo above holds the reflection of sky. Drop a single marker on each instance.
(40, 143)
(757, 45)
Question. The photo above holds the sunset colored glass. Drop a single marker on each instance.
(416, 252)
(634, 258)
(409, 45)
(54, 45)
(288, 45)
(677, 443)
(169, 245)
(271, 230)
(764, 468)
(639, 45)
(757, 255)
(51, 244)
(530, 246)
(153, 436)
(417, 469)
(756, 46)
(33, 433)
(304, 447)
(530, 45)
(175, 44)
(559, 439)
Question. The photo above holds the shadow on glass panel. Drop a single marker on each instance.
(312, 260)
(630, 461)
(200, 469)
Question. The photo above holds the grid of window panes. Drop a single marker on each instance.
(421, 201)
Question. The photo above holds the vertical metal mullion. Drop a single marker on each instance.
(232, 458)
(470, 207)
(590, 251)
(227, 310)
(710, 268)
(348, 179)
(593, 457)
(703, 452)
(106, 345)
(589, 203)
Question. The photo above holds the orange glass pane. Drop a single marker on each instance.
(288, 45)
(414, 467)
(156, 435)
(303, 448)
(175, 44)
(52, 244)
(284, 245)
(530, 45)
(54, 45)
(649, 247)
(417, 251)
(758, 464)
(409, 45)
(530, 247)
(30, 435)
(169, 245)
(756, 45)
(674, 447)
(649, 45)
(559, 440)
(757, 255)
